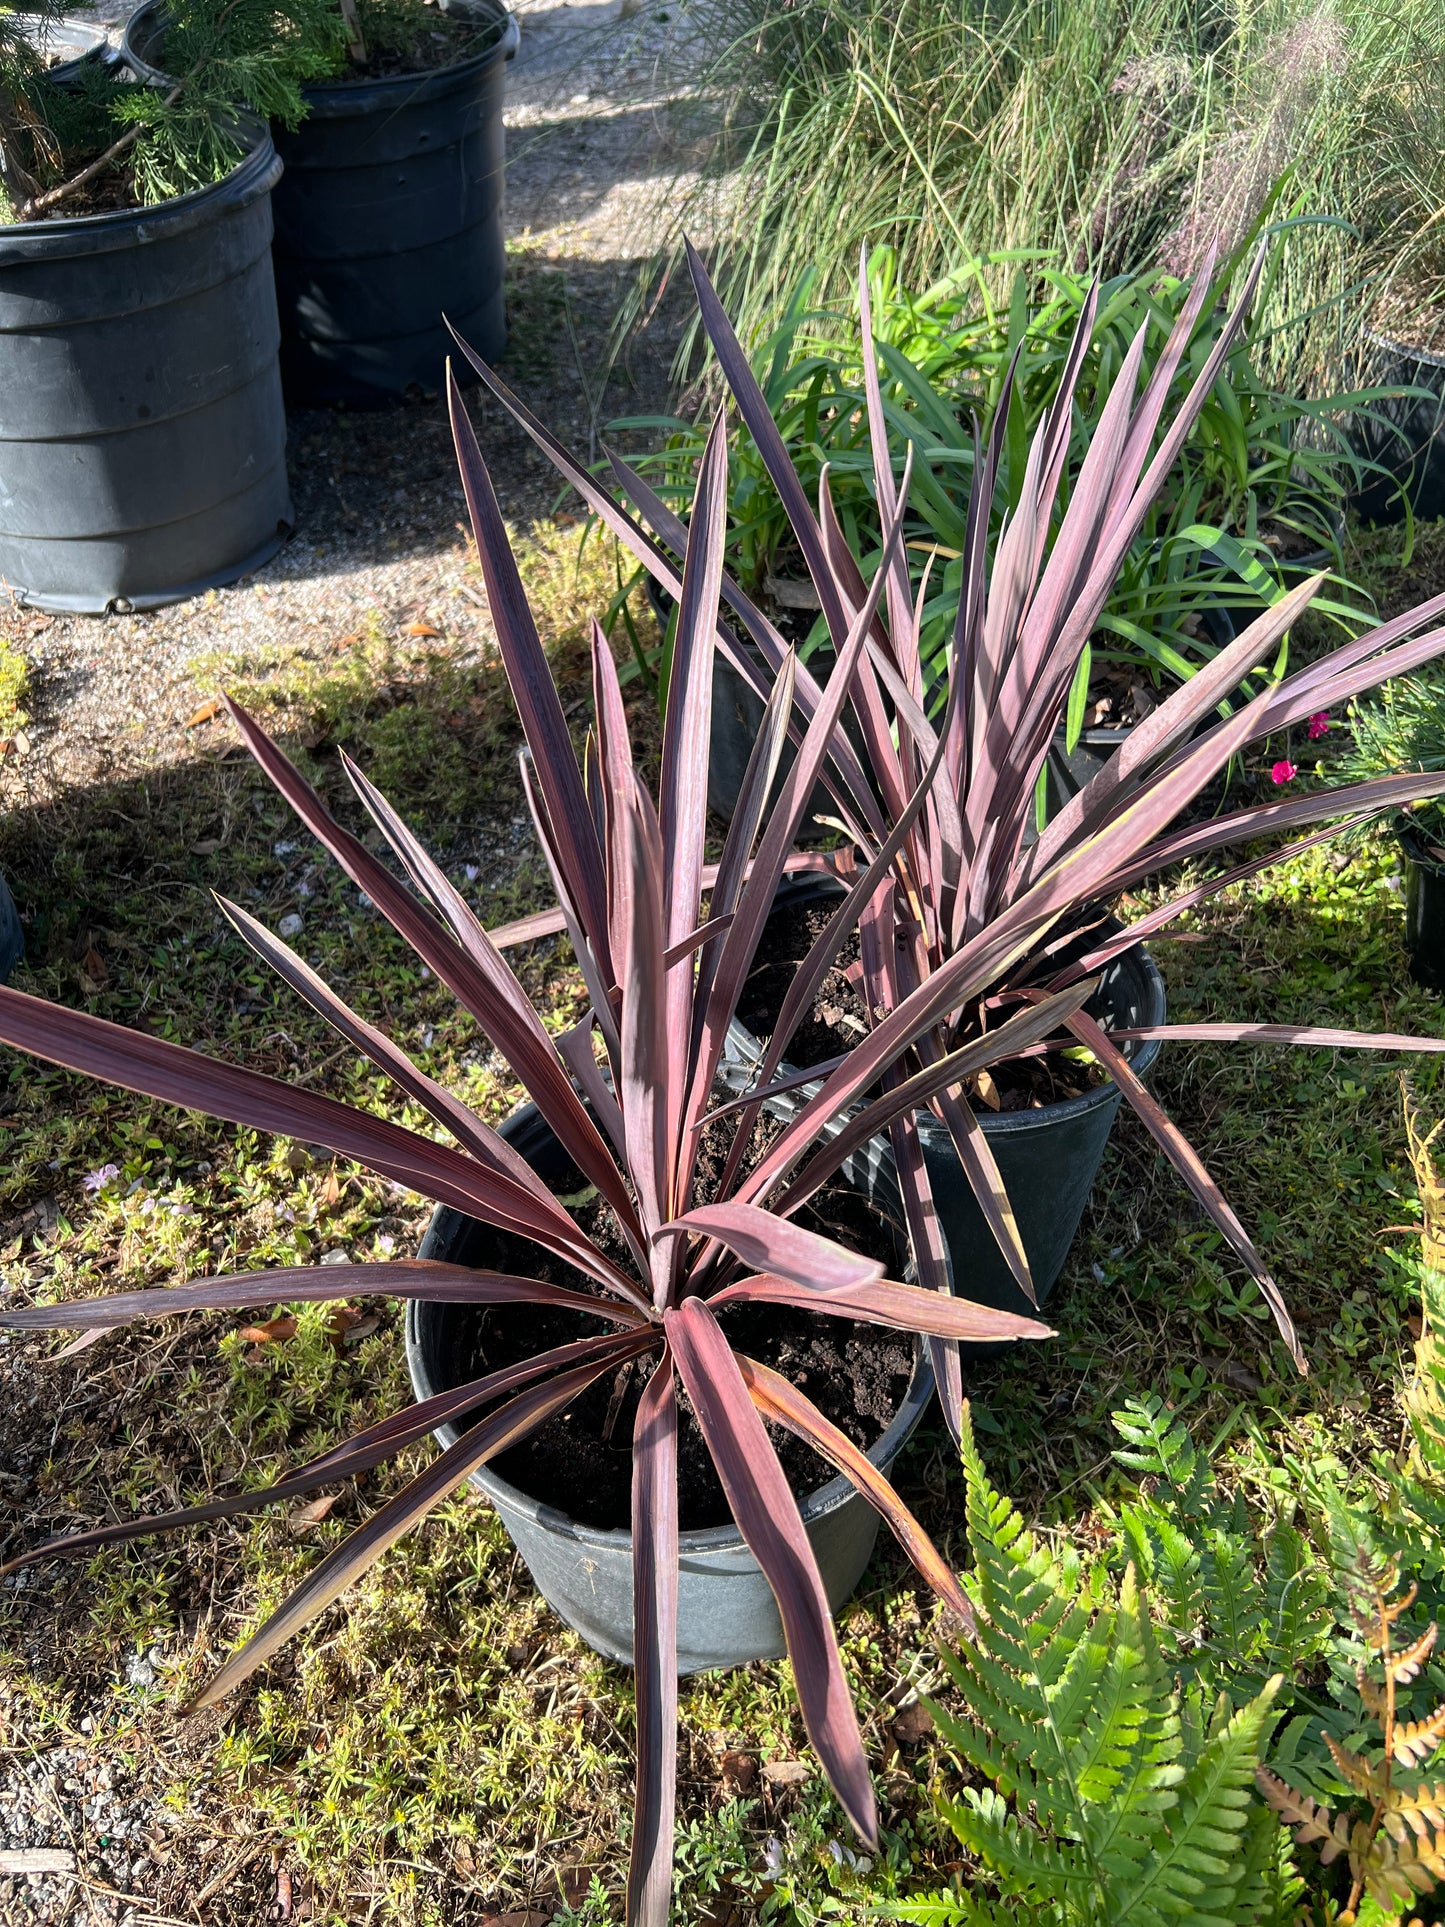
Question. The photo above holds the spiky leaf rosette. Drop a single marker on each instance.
(664, 975)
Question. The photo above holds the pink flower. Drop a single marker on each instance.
(1284, 771)
(1319, 724)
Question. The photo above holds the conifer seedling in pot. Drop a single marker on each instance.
(968, 910)
(663, 974)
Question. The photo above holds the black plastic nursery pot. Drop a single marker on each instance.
(1048, 1158)
(67, 44)
(1408, 439)
(388, 217)
(727, 1615)
(1424, 911)
(142, 432)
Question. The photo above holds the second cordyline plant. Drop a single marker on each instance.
(664, 975)
(966, 916)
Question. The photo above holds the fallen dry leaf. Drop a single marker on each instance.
(207, 846)
(741, 1768)
(310, 1514)
(911, 1725)
(282, 1909)
(273, 1332)
(421, 629)
(787, 1772)
(207, 713)
(93, 973)
(330, 1190)
(527, 1917)
(1238, 1376)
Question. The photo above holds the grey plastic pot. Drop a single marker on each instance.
(1048, 1158)
(142, 433)
(726, 1612)
(388, 217)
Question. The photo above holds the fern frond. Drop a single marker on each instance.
(1397, 1871)
(1200, 1849)
(1354, 1771)
(1415, 1812)
(1298, 1621)
(1314, 1824)
(1417, 1739)
(1020, 1860)
(1163, 1450)
(1232, 1600)
(1404, 1666)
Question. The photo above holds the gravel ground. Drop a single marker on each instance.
(86, 1830)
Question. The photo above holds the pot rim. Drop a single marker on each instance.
(254, 175)
(1427, 357)
(1003, 1123)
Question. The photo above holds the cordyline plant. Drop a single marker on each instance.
(963, 919)
(664, 980)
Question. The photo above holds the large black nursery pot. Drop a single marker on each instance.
(726, 1612)
(1048, 1158)
(142, 434)
(1424, 910)
(388, 217)
(1406, 436)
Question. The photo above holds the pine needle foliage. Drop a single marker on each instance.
(1114, 1793)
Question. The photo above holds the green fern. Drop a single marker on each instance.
(1116, 1797)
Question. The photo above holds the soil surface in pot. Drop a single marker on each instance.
(838, 1018)
(581, 1461)
(403, 37)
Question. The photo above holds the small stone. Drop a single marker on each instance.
(139, 1671)
(290, 926)
(336, 1257)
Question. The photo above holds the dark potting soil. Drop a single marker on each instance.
(838, 1018)
(581, 1461)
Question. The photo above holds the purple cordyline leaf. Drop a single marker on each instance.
(908, 1308)
(753, 407)
(1027, 1027)
(575, 1046)
(1161, 379)
(1167, 724)
(930, 1253)
(756, 899)
(768, 1243)
(842, 773)
(470, 966)
(883, 757)
(647, 1072)
(550, 923)
(1299, 693)
(423, 1278)
(1187, 1162)
(695, 939)
(985, 1180)
(174, 1075)
(780, 1086)
(530, 678)
(687, 732)
(653, 558)
(1176, 907)
(465, 1126)
(1279, 1034)
(1350, 799)
(654, 1647)
(767, 1516)
(596, 974)
(359, 1454)
(356, 1554)
(781, 1401)
(900, 598)
(1057, 655)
